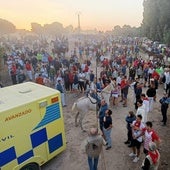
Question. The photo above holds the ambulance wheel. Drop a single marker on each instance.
(31, 166)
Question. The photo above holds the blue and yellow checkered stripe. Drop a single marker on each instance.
(37, 138)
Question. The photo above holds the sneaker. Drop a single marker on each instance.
(136, 159)
(109, 147)
(132, 154)
(127, 142)
(163, 124)
(130, 145)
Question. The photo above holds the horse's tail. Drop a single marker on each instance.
(74, 105)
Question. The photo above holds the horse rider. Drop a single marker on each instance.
(93, 91)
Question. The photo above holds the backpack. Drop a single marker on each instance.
(93, 148)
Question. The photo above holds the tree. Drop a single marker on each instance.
(69, 29)
(156, 17)
(166, 37)
(117, 30)
(55, 28)
(6, 27)
(36, 28)
(126, 30)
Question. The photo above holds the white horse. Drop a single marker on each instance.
(85, 104)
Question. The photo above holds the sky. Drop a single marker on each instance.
(93, 14)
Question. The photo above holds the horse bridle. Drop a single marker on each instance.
(91, 100)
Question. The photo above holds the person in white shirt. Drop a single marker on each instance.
(118, 79)
(167, 81)
(101, 58)
(114, 73)
(150, 71)
(146, 104)
(141, 111)
(82, 78)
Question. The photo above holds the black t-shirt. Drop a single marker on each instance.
(108, 122)
(151, 92)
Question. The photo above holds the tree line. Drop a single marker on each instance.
(156, 20)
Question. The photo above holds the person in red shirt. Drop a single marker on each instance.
(28, 67)
(152, 160)
(86, 69)
(71, 80)
(149, 136)
(39, 80)
(50, 59)
(123, 62)
(105, 62)
(155, 75)
(124, 85)
(74, 68)
(13, 73)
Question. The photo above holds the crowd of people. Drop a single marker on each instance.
(124, 69)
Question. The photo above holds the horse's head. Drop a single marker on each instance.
(106, 92)
(108, 88)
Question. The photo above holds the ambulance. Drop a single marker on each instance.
(31, 126)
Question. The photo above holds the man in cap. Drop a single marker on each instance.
(93, 147)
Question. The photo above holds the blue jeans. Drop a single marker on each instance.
(93, 162)
(107, 134)
(95, 96)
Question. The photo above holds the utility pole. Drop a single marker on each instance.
(78, 14)
(78, 28)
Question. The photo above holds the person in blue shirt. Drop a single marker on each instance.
(101, 114)
(93, 91)
(60, 87)
(91, 76)
(164, 108)
(99, 85)
(129, 119)
(107, 128)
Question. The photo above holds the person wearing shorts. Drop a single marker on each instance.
(136, 142)
(115, 95)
